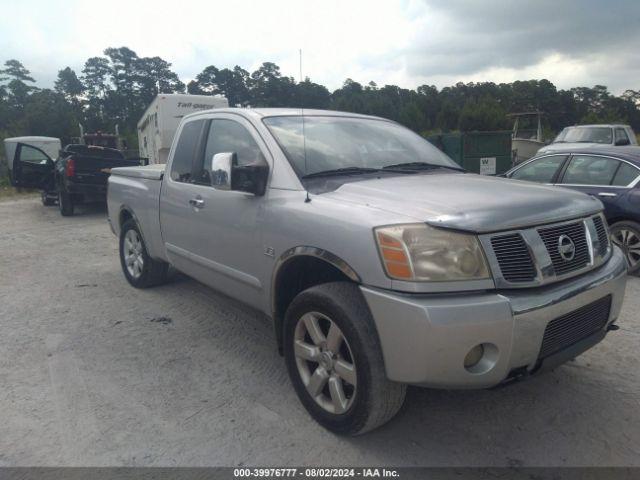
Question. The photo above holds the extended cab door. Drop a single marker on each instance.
(215, 235)
(32, 168)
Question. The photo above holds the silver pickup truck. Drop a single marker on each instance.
(379, 261)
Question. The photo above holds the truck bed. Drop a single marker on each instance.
(139, 186)
(92, 164)
(151, 172)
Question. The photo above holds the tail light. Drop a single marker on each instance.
(70, 168)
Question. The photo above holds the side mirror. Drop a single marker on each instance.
(622, 141)
(221, 167)
(226, 174)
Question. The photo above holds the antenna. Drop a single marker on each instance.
(300, 65)
(304, 136)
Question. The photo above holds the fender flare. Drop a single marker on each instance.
(308, 251)
(125, 208)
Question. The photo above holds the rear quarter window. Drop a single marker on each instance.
(625, 175)
(186, 151)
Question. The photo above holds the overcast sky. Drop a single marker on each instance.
(407, 43)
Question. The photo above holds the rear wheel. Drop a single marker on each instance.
(626, 235)
(140, 270)
(65, 203)
(335, 361)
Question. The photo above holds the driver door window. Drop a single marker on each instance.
(542, 170)
(227, 136)
(33, 155)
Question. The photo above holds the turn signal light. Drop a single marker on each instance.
(394, 257)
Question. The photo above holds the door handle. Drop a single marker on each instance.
(196, 202)
(607, 194)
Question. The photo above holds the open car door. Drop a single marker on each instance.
(32, 168)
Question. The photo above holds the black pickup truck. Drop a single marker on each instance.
(78, 175)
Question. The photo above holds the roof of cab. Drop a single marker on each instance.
(282, 112)
(605, 125)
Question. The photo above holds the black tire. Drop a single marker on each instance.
(617, 237)
(376, 399)
(65, 204)
(154, 272)
(47, 201)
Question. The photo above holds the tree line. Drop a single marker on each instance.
(117, 87)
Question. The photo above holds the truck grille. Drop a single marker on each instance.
(513, 258)
(576, 232)
(603, 238)
(572, 327)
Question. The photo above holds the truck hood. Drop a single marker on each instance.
(468, 202)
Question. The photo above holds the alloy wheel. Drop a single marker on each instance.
(325, 362)
(629, 241)
(133, 258)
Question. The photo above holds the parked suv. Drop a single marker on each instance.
(379, 261)
(612, 175)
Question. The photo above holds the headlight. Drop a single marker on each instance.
(417, 252)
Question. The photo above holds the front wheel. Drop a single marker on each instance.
(47, 201)
(335, 361)
(140, 270)
(626, 235)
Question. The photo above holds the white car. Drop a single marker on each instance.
(586, 136)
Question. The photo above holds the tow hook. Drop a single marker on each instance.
(612, 328)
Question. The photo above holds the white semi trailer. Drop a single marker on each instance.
(160, 121)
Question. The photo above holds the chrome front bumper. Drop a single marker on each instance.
(425, 338)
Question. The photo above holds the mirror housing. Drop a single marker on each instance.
(622, 141)
(226, 174)
(221, 170)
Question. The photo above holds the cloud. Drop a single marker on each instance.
(465, 38)
(406, 42)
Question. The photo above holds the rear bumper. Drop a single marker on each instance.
(425, 338)
(88, 189)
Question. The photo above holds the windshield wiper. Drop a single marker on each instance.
(420, 166)
(341, 171)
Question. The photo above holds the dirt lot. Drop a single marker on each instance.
(93, 372)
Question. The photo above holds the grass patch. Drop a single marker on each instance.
(8, 192)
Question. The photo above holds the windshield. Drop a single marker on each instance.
(586, 135)
(343, 142)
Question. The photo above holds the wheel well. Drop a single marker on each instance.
(124, 216)
(620, 219)
(296, 275)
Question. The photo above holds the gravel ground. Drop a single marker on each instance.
(96, 373)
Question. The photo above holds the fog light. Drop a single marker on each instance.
(474, 356)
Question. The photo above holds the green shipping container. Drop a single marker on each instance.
(487, 153)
